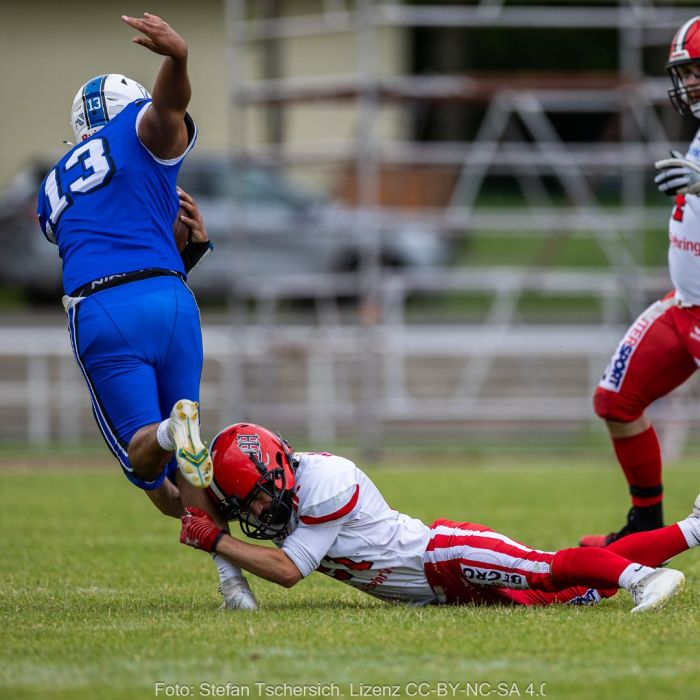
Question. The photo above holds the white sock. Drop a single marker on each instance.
(690, 527)
(225, 568)
(163, 436)
(633, 574)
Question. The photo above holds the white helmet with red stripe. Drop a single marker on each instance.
(684, 68)
(248, 459)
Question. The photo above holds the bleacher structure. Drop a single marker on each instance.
(384, 372)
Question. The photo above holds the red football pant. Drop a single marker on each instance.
(657, 354)
(471, 563)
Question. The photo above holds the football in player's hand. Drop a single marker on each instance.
(181, 231)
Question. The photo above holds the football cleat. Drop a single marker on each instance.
(597, 540)
(638, 520)
(656, 589)
(237, 594)
(192, 456)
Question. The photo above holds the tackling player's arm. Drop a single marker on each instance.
(200, 531)
(163, 129)
(267, 562)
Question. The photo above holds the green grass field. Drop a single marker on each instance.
(99, 600)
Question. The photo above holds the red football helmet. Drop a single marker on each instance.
(249, 458)
(685, 53)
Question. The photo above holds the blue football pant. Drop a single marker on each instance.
(139, 347)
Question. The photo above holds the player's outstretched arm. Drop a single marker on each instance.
(162, 129)
(200, 531)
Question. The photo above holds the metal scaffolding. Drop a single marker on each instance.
(516, 137)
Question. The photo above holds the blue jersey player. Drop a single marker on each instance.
(109, 204)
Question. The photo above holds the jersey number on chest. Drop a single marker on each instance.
(88, 168)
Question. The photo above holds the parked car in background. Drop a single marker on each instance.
(262, 226)
(265, 226)
(28, 261)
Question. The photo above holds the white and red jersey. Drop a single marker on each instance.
(343, 527)
(684, 240)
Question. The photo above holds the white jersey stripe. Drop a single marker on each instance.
(457, 532)
(489, 557)
(102, 422)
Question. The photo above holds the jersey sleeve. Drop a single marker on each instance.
(308, 544)
(337, 508)
(191, 137)
(326, 498)
(328, 491)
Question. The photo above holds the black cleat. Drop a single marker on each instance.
(638, 520)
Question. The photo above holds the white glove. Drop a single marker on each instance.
(237, 594)
(678, 175)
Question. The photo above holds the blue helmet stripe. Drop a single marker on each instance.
(94, 102)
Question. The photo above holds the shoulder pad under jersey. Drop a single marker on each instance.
(327, 488)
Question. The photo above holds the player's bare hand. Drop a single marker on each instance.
(159, 36)
(193, 219)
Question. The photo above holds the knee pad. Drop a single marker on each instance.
(615, 406)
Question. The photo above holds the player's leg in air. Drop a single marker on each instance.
(152, 446)
(651, 360)
(467, 562)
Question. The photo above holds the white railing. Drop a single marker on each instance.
(310, 380)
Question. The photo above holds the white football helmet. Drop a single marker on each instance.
(100, 100)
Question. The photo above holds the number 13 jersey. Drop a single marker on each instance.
(109, 203)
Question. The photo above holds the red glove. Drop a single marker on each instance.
(199, 530)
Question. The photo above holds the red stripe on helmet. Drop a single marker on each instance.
(679, 49)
